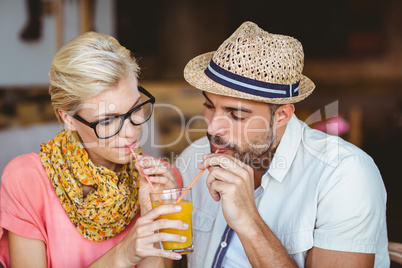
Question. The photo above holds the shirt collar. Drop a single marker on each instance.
(285, 153)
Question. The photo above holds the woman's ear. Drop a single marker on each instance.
(68, 120)
(283, 114)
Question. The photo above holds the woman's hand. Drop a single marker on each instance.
(140, 242)
(159, 174)
(142, 237)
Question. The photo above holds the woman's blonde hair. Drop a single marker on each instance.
(86, 66)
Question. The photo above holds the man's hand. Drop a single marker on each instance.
(233, 181)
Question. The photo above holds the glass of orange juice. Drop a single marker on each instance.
(168, 197)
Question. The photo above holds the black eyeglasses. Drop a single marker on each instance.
(110, 126)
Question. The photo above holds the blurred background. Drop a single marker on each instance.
(353, 53)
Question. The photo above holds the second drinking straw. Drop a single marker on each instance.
(146, 176)
(192, 183)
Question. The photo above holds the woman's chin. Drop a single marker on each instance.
(123, 158)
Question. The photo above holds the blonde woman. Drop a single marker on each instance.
(83, 200)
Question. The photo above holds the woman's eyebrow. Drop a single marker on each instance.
(136, 103)
(114, 114)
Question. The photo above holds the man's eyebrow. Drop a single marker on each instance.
(229, 108)
(239, 109)
(205, 95)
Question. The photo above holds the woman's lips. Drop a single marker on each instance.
(132, 145)
(127, 147)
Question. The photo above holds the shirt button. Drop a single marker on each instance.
(288, 247)
(224, 244)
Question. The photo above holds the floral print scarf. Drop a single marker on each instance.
(109, 207)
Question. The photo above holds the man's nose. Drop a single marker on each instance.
(219, 125)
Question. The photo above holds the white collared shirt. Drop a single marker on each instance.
(319, 191)
(235, 256)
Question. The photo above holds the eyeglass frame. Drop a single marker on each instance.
(123, 116)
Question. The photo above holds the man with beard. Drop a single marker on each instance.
(283, 195)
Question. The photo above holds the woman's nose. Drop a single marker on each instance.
(128, 129)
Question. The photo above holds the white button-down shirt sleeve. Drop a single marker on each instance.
(354, 185)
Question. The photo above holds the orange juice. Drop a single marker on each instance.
(184, 216)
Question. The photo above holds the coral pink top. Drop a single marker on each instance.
(29, 207)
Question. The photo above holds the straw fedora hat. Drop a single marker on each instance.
(253, 64)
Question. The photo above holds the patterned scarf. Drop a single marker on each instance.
(109, 207)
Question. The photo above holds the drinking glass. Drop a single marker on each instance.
(171, 196)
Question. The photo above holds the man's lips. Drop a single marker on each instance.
(221, 150)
